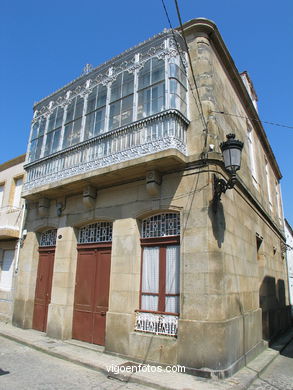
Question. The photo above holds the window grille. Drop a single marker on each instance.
(96, 232)
(161, 225)
(48, 238)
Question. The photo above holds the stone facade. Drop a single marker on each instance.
(231, 259)
(11, 219)
(289, 254)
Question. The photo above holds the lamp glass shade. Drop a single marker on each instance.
(232, 159)
(231, 150)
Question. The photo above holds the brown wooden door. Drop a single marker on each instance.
(91, 294)
(43, 288)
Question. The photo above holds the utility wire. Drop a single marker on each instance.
(253, 119)
(191, 67)
(197, 102)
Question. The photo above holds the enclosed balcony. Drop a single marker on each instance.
(132, 107)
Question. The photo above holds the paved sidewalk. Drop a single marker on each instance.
(93, 357)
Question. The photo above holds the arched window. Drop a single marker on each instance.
(160, 278)
(95, 232)
(48, 238)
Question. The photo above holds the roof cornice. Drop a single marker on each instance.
(11, 163)
(209, 28)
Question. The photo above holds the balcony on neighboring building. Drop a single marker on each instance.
(131, 107)
(10, 219)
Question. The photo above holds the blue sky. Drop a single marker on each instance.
(45, 45)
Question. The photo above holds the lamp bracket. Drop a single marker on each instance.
(220, 187)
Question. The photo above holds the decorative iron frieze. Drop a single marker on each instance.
(161, 132)
(95, 233)
(48, 238)
(160, 324)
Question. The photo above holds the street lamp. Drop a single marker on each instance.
(231, 150)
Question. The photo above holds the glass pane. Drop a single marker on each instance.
(70, 110)
(149, 302)
(173, 70)
(158, 98)
(173, 101)
(59, 117)
(52, 120)
(102, 96)
(48, 144)
(33, 149)
(126, 113)
(128, 84)
(100, 120)
(174, 86)
(114, 120)
(79, 107)
(144, 78)
(173, 269)
(56, 139)
(89, 126)
(158, 70)
(144, 103)
(161, 225)
(183, 78)
(150, 270)
(67, 136)
(42, 126)
(39, 147)
(76, 132)
(172, 304)
(91, 102)
(116, 88)
(35, 130)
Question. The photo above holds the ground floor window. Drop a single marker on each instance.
(160, 278)
(160, 275)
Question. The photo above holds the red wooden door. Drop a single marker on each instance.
(43, 288)
(91, 294)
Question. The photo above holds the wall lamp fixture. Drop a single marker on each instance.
(231, 150)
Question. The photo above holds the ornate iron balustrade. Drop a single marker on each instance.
(164, 324)
(153, 134)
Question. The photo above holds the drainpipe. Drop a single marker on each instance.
(20, 239)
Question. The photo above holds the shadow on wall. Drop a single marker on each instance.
(275, 314)
(218, 222)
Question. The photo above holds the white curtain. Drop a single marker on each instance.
(172, 278)
(150, 278)
(6, 273)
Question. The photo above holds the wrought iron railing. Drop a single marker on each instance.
(163, 324)
(157, 133)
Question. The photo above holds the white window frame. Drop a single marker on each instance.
(251, 151)
(267, 174)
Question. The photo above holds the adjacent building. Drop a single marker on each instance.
(289, 245)
(11, 220)
(125, 247)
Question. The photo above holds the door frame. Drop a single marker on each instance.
(107, 245)
(52, 250)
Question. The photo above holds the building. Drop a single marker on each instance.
(289, 242)
(11, 220)
(125, 246)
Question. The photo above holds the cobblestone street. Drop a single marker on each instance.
(279, 374)
(24, 368)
